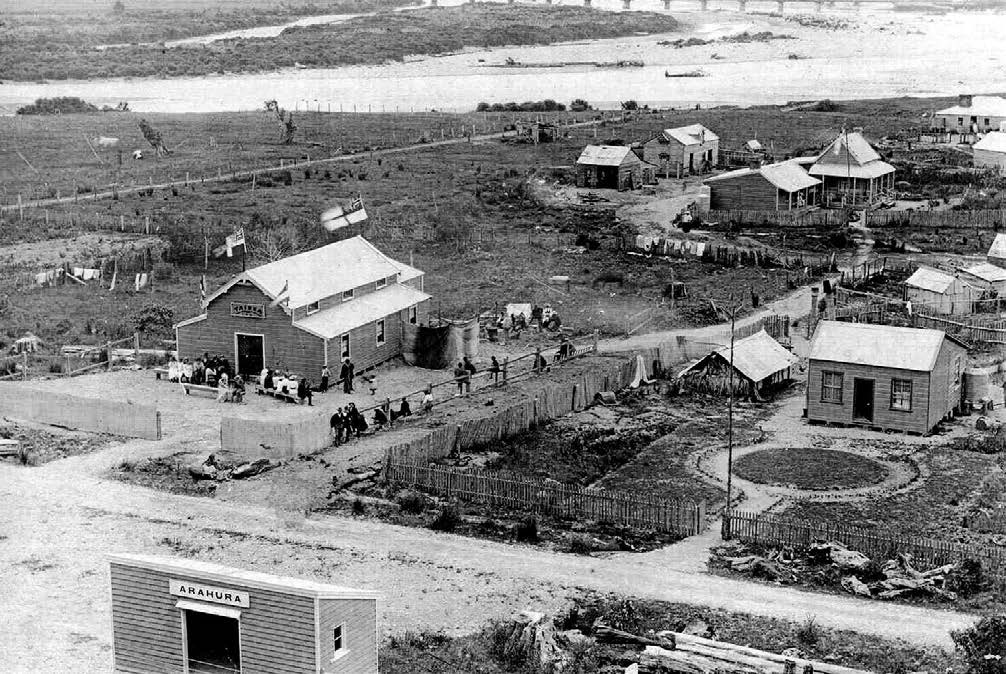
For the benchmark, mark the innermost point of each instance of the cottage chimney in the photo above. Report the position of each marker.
(964, 100)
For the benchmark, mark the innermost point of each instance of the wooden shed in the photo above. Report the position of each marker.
(997, 251)
(773, 187)
(317, 308)
(935, 292)
(683, 150)
(987, 277)
(614, 167)
(184, 615)
(760, 364)
(990, 151)
(893, 378)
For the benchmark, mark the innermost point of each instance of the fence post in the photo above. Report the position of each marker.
(24, 365)
(108, 351)
(136, 346)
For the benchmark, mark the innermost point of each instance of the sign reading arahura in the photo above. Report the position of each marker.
(217, 595)
(245, 310)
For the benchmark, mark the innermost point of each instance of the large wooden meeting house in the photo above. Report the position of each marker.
(298, 314)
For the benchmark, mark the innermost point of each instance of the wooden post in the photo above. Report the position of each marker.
(136, 346)
(108, 351)
(24, 365)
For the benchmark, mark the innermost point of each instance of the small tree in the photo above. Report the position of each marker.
(153, 137)
(983, 645)
(285, 117)
(630, 105)
(580, 105)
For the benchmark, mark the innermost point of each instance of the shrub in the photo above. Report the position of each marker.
(581, 544)
(526, 531)
(55, 366)
(358, 507)
(809, 632)
(60, 105)
(412, 502)
(156, 319)
(447, 519)
(983, 645)
(966, 578)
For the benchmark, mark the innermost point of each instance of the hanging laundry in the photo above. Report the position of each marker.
(78, 272)
(91, 274)
(700, 248)
(140, 281)
(41, 278)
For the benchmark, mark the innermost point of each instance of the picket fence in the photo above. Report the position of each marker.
(878, 545)
(794, 218)
(679, 517)
(976, 220)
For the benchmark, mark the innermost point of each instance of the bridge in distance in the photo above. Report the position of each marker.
(820, 5)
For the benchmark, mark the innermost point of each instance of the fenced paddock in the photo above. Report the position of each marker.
(683, 518)
(877, 544)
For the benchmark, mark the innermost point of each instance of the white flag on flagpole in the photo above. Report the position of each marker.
(234, 240)
(338, 217)
(283, 296)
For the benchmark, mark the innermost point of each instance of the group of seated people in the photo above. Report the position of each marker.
(287, 383)
(349, 421)
(212, 371)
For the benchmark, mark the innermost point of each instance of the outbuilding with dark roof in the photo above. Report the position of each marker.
(882, 376)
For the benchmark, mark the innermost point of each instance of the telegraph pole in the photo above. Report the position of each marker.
(730, 422)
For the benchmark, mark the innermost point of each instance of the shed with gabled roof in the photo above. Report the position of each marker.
(612, 167)
(972, 114)
(997, 251)
(684, 149)
(986, 276)
(990, 151)
(759, 363)
(935, 292)
(772, 187)
(343, 300)
(883, 376)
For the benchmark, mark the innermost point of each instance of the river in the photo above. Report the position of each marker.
(881, 54)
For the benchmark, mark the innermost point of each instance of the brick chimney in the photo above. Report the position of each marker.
(964, 100)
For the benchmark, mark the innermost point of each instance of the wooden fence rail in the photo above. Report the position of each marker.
(878, 545)
(558, 500)
(970, 220)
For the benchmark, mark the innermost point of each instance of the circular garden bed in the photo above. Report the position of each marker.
(807, 468)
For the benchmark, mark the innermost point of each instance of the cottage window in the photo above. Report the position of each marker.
(313, 308)
(960, 121)
(380, 332)
(901, 395)
(831, 387)
(347, 294)
(344, 346)
(413, 315)
(380, 284)
(986, 122)
(339, 641)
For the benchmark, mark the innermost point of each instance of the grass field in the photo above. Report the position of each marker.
(68, 49)
(809, 468)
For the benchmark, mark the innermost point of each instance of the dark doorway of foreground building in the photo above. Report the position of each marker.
(213, 643)
(251, 354)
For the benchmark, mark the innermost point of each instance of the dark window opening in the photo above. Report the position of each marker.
(214, 643)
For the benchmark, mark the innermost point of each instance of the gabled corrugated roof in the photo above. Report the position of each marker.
(994, 141)
(998, 247)
(758, 356)
(691, 134)
(342, 318)
(987, 272)
(930, 279)
(786, 176)
(872, 170)
(316, 274)
(981, 106)
(604, 155)
(913, 349)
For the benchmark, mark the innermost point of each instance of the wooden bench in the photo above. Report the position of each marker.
(160, 371)
(199, 388)
(276, 393)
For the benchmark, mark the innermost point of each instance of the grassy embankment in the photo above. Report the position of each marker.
(55, 50)
(430, 189)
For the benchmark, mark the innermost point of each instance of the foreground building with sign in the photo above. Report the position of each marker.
(298, 314)
(182, 615)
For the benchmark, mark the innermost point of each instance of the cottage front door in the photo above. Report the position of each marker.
(862, 399)
(250, 354)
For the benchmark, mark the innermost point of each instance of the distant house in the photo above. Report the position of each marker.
(760, 363)
(972, 114)
(905, 379)
(686, 149)
(852, 172)
(772, 187)
(935, 292)
(343, 300)
(612, 166)
(997, 251)
(537, 132)
(987, 277)
(990, 151)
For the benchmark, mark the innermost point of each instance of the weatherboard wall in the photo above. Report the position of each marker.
(751, 192)
(358, 617)
(278, 633)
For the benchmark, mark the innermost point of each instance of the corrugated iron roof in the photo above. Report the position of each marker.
(342, 318)
(987, 272)
(872, 170)
(691, 134)
(327, 271)
(994, 141)
(930, 279)
(784, 175)
(603, 155)
(852, 144)
(758, 356)
(899, 348)
(998, 247)
(981, 106)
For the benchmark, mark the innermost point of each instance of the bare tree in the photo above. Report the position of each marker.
(153, 137)
(285, 117)
(276, 243)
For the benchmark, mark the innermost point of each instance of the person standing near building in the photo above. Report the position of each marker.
(344, 377)
(325, 374)
(336, 424)
(459, 378)
(494, 370)
(352, 374)
(469, 373)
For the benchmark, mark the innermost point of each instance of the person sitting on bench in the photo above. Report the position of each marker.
(304, 391)
(268, 382)
(405, 410)
(380, 418)
(238, 392)
(186, 371)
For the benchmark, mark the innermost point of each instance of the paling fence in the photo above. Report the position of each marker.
(970, 333)
(508, 490)
(762, 529)
(71, 362)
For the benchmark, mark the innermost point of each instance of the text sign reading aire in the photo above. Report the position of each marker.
(245, 310)
(217, 595)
